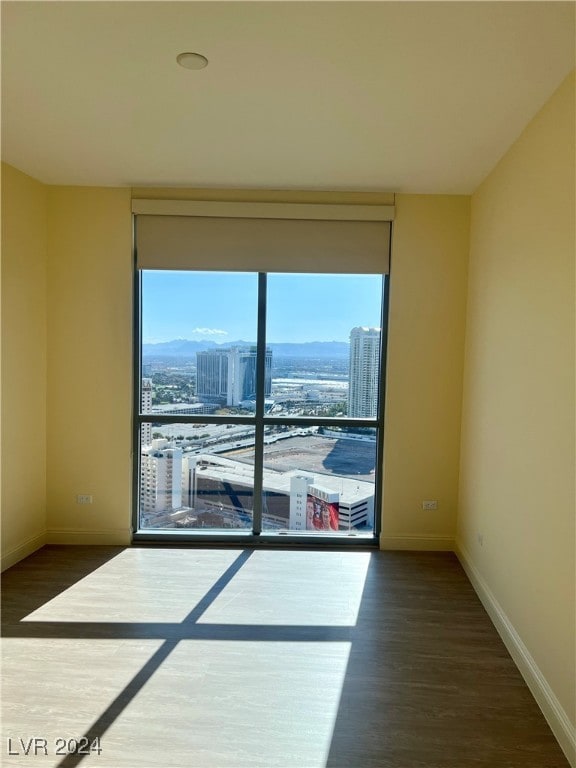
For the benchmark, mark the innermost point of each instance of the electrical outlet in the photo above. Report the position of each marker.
(84, 498)
(481, 539)
(430, 504)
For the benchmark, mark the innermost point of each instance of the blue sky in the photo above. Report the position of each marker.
(222, 306)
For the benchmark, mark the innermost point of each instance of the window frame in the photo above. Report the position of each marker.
(259, 421)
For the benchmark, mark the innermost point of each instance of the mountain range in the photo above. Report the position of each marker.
(187, 348)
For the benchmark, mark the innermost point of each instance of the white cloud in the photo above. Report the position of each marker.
(208, 332)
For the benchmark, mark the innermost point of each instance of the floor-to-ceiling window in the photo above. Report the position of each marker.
(259, 403)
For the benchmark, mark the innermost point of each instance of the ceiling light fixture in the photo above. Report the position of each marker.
(192, 60)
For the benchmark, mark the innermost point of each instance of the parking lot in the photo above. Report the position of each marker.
(315, 453)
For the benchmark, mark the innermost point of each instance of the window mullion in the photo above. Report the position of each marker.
(260, 404)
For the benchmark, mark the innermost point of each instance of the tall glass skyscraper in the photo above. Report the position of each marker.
(228, 375)
(212, 377)
(364, 373)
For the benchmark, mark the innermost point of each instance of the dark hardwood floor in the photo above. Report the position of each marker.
(226, 658)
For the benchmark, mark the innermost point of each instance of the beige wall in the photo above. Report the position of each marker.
(518, 459)
(425, 362)
(23, 495)
(90, 364)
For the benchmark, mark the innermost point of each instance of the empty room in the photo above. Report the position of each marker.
(288, 384)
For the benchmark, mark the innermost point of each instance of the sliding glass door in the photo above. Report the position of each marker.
(259, 404)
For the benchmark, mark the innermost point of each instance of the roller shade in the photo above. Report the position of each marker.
(262, 237)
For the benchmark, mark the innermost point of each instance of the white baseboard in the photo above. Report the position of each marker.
(23, 550)
(558, 720)
(418, 543)
(121, 536)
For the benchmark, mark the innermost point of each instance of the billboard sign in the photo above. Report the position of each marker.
(322, 511)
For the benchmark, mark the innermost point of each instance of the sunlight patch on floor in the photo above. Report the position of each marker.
(140, 585)
(227, 705)
(293, 588)
(62, 705)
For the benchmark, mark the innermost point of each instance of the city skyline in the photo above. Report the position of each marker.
(206, 480)
(222, 306)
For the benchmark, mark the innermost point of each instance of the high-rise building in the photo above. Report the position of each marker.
(160, 478)
(228, 376)
(364, 372)
(212, 373)
(146, 429)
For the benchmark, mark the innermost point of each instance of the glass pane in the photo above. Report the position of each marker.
(319, 479)
(194, 477)
(324, 335)
(199, 343)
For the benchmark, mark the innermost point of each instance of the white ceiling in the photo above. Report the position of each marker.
(403, 96)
